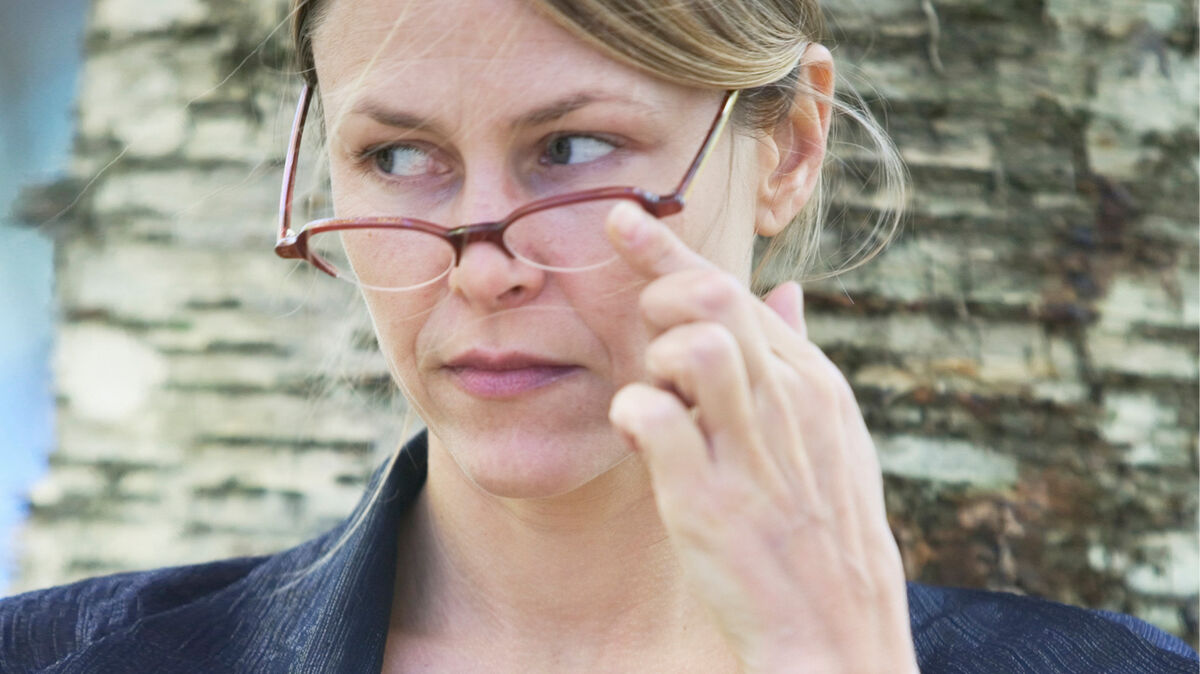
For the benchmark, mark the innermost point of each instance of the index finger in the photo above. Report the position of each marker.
(647, 244)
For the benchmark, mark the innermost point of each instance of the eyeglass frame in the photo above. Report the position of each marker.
(294, 245)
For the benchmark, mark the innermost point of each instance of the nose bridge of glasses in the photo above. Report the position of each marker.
(483, 232)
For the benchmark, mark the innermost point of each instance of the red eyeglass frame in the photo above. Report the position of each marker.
(294, 245)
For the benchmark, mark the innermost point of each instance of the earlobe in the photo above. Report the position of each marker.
(790, 157)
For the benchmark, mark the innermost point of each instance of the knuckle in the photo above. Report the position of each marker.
(816, 386)
(715, 292)
(808, 385)
(660, 352)
(694, 347)
(826, 389)
(838, 384)
(710, 345)
(656, 294)
(790, 382)
(846, 394)
(666, 357)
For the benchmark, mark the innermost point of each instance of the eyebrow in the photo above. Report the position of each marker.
(543, 115)
(556, 110)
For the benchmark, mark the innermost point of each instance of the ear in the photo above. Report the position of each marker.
(790, 156)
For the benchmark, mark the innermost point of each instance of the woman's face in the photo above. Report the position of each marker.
(457, 112)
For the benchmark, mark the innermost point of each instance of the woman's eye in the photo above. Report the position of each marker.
(576, 150)
(405, 161)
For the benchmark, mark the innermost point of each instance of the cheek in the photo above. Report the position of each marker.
(722, 230)
(342, 182)
(719, 220)
(399, 320)
(607, 304)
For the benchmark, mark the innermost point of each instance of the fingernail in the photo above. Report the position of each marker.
(627, 221)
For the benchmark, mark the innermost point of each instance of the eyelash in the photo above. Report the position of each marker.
(607, 140)
(366, 158)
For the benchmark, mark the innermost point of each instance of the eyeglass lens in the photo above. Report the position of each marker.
(566, 238)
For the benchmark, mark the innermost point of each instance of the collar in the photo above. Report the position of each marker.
(322, 606)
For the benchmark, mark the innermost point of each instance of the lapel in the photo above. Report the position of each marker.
(348, 600)
(323, 606)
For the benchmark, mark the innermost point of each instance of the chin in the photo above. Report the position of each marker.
(524, 463)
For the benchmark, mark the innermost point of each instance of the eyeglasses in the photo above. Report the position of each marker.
(561, 233)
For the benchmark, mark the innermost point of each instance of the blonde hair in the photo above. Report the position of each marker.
(755, 46)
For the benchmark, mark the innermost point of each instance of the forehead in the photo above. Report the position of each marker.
(441, 46)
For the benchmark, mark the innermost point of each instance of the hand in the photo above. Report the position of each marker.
(764, 473)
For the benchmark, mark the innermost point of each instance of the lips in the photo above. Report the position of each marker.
(505, 375)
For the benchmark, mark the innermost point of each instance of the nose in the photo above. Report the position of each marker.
(486, 276)
(489, 278)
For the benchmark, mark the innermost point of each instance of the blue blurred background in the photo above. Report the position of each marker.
(40, 45)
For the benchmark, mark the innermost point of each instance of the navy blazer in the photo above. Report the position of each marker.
(302, 611)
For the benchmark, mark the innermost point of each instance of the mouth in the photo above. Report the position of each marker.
(505, 375)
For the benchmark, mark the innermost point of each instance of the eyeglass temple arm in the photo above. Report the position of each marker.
(714, 133)
(289, 164)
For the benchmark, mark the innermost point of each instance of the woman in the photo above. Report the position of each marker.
(632, 462)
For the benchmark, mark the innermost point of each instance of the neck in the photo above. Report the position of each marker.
(590, 569)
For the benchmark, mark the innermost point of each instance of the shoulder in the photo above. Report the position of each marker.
(958, 630)
(41, 628)
(320, 606)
